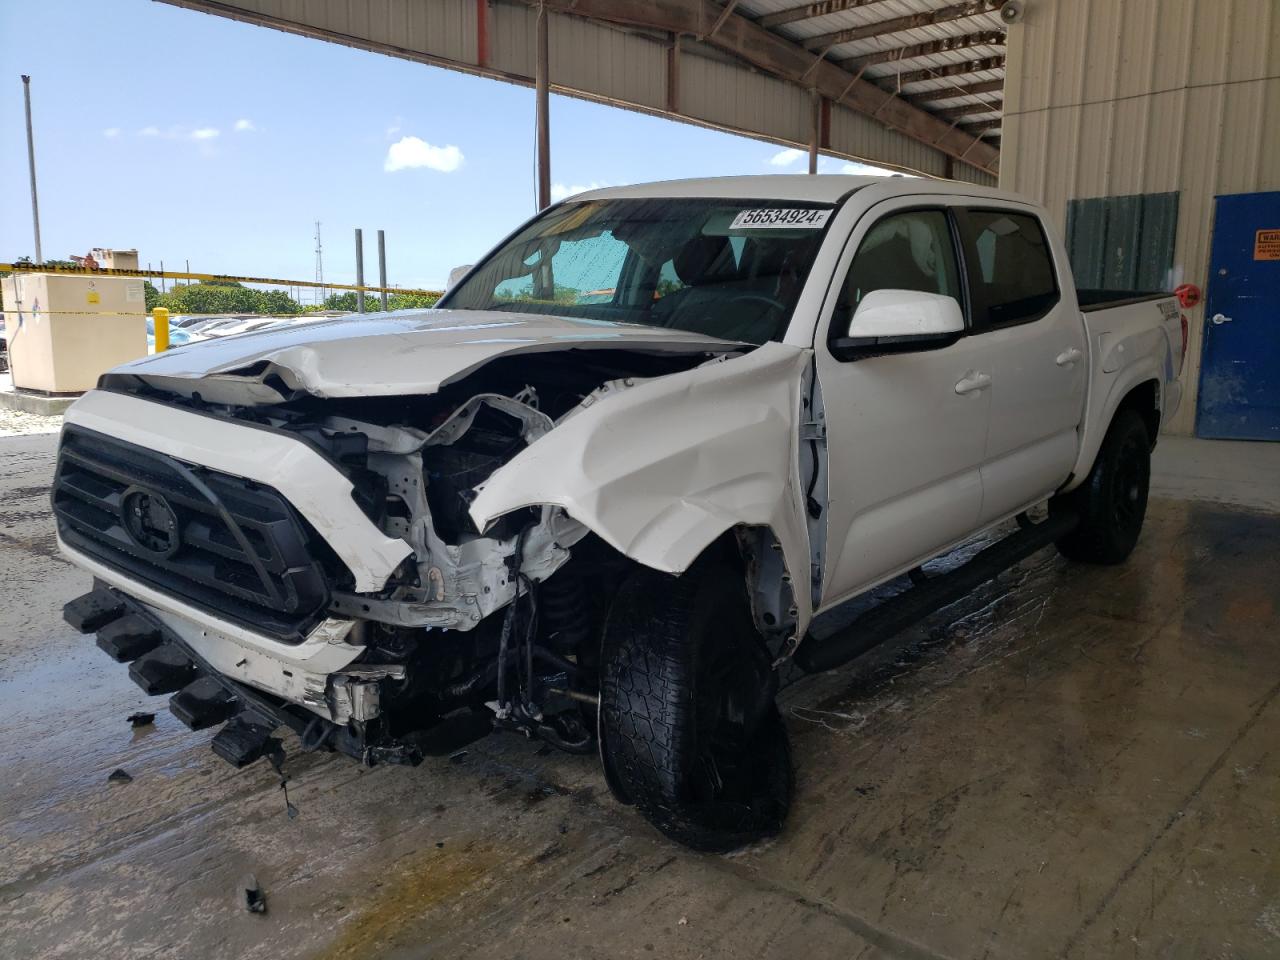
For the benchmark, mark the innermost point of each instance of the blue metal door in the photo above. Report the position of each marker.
(1239, 396)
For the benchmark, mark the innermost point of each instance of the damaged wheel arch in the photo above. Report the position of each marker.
(660, 469)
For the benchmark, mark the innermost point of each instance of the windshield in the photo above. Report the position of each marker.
(725, 268)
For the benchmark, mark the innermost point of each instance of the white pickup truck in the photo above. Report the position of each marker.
(599, 493)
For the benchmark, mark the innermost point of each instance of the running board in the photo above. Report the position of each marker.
(932, 594)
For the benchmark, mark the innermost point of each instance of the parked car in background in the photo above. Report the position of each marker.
(599, 494)
(178, 337)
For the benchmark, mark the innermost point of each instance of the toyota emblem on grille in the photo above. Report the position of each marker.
(150, 522)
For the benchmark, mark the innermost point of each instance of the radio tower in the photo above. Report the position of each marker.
(319, 294)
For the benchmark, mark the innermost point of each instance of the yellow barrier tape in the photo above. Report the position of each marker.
(107, 313)
(209, 278)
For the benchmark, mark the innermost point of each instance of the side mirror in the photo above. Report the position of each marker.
(888, 321)
(456, 274)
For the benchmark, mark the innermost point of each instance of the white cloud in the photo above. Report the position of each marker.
(244, 126)
(559, 191)
(866, 170)
(784, 158)
(111, 132)
(179, 132)
(410, 152)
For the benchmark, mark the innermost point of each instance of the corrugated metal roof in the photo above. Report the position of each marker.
(909, 75)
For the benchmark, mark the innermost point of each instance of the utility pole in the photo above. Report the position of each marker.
(382, 266)
(319, 290)
(542, 88)
(31, 163)
(359, 271)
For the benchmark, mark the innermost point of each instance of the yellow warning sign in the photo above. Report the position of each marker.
(93, 296)
(1266, 245)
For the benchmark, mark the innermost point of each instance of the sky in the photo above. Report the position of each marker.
(196, 138)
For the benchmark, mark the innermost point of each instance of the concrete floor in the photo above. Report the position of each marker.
(1072, 762)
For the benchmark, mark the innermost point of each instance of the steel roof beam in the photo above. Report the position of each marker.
(969, 110)
(957, 11)
(987, 38)
(811, 11)
(948, 70)
(957, 90)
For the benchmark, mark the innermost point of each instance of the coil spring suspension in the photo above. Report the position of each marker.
(565, 612)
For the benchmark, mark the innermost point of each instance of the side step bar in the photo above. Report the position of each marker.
(929, 595)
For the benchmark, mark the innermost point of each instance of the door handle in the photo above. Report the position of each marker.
(1067, 357)
(972, 382)
(1219, 319)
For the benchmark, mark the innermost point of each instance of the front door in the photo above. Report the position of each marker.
(1239, 396)
(905, 431)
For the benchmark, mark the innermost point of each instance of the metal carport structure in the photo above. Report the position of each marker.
(912, 85)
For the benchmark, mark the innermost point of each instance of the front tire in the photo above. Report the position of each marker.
(688, 720)
(1112, 502)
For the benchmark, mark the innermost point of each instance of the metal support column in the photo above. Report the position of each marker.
(359, 270)
(31, 164)
(382, 266)
(542, 90)
(815, 132)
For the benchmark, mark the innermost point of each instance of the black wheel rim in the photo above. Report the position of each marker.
(1129, 486)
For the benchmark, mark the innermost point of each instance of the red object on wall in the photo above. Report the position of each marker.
(1188, 295)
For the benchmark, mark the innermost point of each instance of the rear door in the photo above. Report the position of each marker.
(905, 430)
(1030, 326)
(1239, 396)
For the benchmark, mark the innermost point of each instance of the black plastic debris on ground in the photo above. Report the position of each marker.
(119, 776)
(141, 719)
(253, 898)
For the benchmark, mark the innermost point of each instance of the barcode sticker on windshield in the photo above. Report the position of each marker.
(780, 217)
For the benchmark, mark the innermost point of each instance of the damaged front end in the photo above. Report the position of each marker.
(313, 563)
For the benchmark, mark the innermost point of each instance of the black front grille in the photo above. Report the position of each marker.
(193, 547)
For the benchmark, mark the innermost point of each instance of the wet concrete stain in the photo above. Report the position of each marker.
(417, 885)
(1071, 762)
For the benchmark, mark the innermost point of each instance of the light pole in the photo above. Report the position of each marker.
(31, 163)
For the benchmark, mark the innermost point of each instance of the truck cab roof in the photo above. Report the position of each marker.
(813, 188)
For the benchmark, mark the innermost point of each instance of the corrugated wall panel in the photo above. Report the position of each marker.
(626, 67)
(969, 174)
(1107, 98)
(861, 136)
(727, 94)
(442, 28)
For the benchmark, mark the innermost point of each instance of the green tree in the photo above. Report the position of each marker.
(226, 297)
(373, 302)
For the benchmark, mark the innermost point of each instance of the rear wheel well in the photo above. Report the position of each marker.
(1144, 399)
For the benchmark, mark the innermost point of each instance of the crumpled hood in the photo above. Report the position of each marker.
(388, 354)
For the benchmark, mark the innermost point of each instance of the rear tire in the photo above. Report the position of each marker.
(687, 715)
(1112, 502)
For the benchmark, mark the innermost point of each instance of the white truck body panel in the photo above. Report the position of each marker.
(661, 496)
(388, 354)
(919, 450)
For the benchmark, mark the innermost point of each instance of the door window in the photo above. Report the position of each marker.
(904, 251)
(1010, 267)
